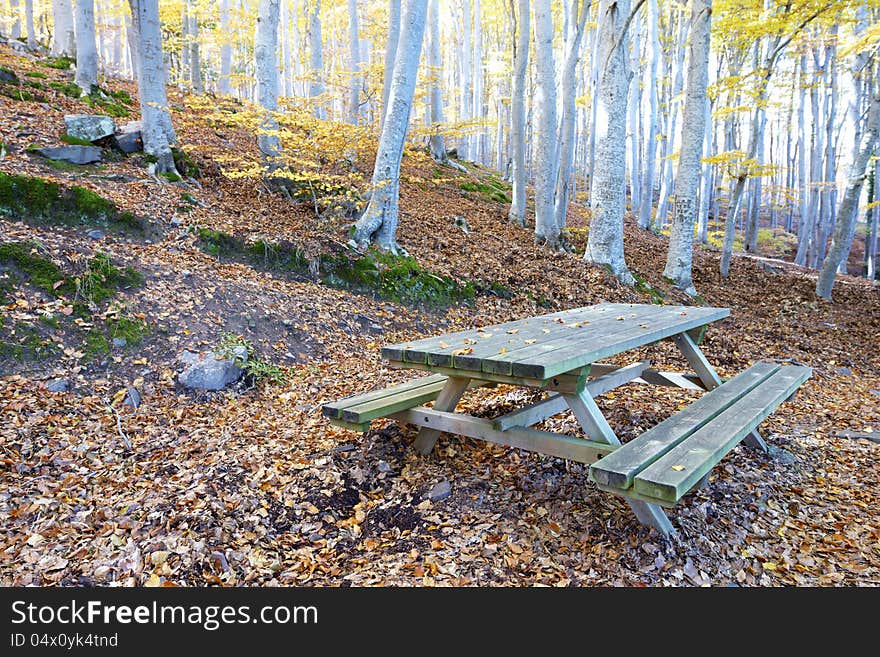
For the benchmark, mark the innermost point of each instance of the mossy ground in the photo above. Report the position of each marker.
(41, 202)
(493, 189)
(24, 267)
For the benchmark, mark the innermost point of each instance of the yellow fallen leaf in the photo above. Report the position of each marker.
(139, 361)
(462, 352)
(678, 468)
(546, 330)
(485, 335)
(532, 341)
(153, 581)
(443, 345)
(513, 330)
(621, 318)
(503, 350)
(574, 325)
(470, 341)
(769, 565)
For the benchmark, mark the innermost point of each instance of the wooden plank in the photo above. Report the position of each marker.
(619, 470)
(417, 351)
(563, 379)
(560, 330)
(698, 361)
(392, 403)
(335, 409)
(671, 379)
(447, 400)
(544, 442)
(541, 410)
(585, 347)
(630, 495)
(677, 471)
(583, 338)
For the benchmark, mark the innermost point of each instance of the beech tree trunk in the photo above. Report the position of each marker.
(86, 76)
(316, 58)
(518, 112)
(354, 47)
(607, 195)
(846, 216)
(651, 132)
(680, 255)
(224, 83)
(63, 33)
(378, 223)
(435, 101)
(390, 52)
(546, 229)
(266, 67)
(157, 131)
(29, 23)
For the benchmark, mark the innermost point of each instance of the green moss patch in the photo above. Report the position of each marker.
(60, 63)
(22, 260)
(23, 342)
(69, 89)
(75, 141)
(39, 202)
(490, 191)
(101, 279)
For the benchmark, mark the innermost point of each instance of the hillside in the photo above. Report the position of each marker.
(252, 486)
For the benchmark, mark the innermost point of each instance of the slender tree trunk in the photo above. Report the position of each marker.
(379, 220)
(707, 190)
(266, 67)
(157, 131)
(518, 111)
(672, 120)
(478, 141)
(224, 83)
(390, 52)
(750, 243)
(435, 100)
(634, 114)
(316, 59)
(467, 79)
(546, 229)
(195, 58)
(29, 23)
(15, 28)
(680, 255)
(846, 217)
(607, 201)
(64, 31)
(86, 76)
(354, 47)
(651, 131)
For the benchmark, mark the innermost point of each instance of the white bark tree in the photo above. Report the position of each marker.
(546, 229)
(607, 196)
(436, 143)
(224, 83)
(316, 58)
(578, 19)
(647, 200)
(354, 47)
(29, 23)
(157, 131)
(518, 112)
(846, 216)
(379, 221)
(86, 76)
(391, 43)
(15, 28)
(681, 240)
(266, 66)
(64, 31)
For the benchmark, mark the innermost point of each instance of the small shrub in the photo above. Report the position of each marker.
(255, 368)
(101, 279)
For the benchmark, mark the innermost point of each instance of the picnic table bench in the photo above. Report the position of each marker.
(561, 353)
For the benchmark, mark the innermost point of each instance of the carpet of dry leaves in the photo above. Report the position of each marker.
(253, 487)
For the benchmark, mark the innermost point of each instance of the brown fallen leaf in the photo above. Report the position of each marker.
(462, 352)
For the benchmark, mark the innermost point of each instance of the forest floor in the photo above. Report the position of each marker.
(250, 485)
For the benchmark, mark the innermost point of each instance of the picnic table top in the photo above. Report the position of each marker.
(544, 346)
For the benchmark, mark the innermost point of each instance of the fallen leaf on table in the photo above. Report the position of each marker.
(443, 345)
(678, 468)
(462, 352)
(532, 341)
(513, 330)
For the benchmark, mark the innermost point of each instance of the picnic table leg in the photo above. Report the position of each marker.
(446, 401)
(710, 379)
(597, 428)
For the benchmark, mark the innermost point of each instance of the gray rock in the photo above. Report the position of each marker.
(72, 154)
(96, 234)
(130, 142)
(119, 342)
(188, 357)
(213, 371)
(8, 76)
(59, 385)
(89, 126)
(781, 455)
(843, 371)
(441, 491)
(176, 221)
(132, 397)
(384, 467)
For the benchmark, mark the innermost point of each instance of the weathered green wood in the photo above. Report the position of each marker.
(671, 476)
(592, 319)
(698, 361)
(335, 409)
(619, 470)
(630, 495)
(359, 427)
(446, 401)
(555, 403)
(417, 351)
(588, 347)
(584, 338)
(493, 378)
(671, 379)
(698, 334)
(544, 442)
(392, 403)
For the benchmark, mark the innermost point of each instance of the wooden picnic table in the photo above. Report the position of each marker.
(560, 353)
